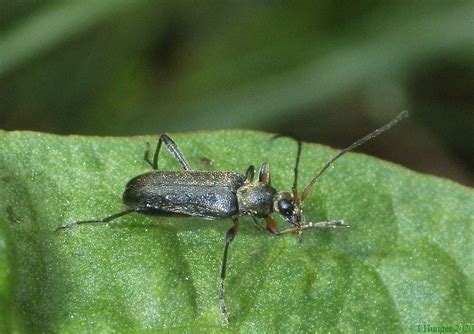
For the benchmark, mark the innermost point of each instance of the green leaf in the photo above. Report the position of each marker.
(405, 261)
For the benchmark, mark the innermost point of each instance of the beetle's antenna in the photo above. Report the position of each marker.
(294, 189)
(361, 141)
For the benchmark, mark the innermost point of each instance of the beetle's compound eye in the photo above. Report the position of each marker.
(284, 204)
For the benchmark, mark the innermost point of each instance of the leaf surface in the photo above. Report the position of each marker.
(405, 261)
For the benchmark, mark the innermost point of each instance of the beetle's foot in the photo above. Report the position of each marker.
(225, 314)
(323, 224)
(65, 227)
(327, 224)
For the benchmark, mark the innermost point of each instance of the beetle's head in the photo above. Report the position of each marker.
(288, 207)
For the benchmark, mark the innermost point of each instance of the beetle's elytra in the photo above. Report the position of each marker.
(218, 195)
(209, 195)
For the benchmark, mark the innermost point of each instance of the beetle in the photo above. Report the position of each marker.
(218, 195)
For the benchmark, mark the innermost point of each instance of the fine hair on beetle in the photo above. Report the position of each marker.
(217, 195)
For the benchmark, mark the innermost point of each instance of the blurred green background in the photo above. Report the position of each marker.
(324, 71)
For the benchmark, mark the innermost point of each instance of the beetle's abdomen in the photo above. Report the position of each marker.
(210, 195)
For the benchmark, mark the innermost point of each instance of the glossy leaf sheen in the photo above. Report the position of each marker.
(406, 260)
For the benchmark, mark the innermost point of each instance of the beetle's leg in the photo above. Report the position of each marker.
(323, 224)
(257, 224)
(101, 220)
(249, 174)
(172, 148)
(228, 239)
(146, 156)
(272, 227)
(264, 173)
(294, 188)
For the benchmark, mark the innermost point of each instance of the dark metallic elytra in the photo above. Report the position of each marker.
(218, 195)
(209, 195)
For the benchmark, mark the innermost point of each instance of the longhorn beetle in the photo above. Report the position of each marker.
(218, 195)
